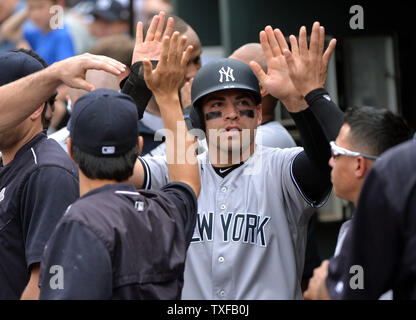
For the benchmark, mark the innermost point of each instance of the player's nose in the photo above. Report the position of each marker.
(331, 162)
(230, 111)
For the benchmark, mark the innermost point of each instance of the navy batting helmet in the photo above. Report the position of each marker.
(222, 74)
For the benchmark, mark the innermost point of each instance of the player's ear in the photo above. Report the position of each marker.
(140, 143)
(259, 114)
(69, 145)
(361, 167)
(35, 115)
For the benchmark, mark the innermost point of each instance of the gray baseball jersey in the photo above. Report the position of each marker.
(250, 236)
(273, 134)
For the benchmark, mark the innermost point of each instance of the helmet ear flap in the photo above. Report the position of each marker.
(194, 118)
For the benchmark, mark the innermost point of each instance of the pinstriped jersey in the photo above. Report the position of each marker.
(250, 236)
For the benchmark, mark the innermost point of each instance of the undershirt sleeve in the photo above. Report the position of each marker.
(318, 125)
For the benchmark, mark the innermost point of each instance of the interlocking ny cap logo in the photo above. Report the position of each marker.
(227, 74)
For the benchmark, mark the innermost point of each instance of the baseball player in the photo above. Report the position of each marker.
(366, 133)
(116, 242)
(249, 238)
(37, 182)
(377, 254)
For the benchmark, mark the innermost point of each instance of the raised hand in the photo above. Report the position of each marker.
(72, 71)
(22, 97)
(277, 81)
(151, 47)
(164, 81)
(169, 74)
(308, 66)
(186, 99)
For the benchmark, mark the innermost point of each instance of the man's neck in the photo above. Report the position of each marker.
(9, 154)
(221, 159)
(267, 118)
(86, 184)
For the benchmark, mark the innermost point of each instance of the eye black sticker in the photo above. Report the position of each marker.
(213, 115)
(247, 113)
(218, 114)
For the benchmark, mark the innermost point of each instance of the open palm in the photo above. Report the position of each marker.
(277, 80)
(151, 47)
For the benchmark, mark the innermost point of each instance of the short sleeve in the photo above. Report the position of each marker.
(76, 265)
(294, 200)
(185, 200)
(158, 168)
(46, 196)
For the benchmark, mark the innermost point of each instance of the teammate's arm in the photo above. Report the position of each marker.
(149, 48)
(164, 82)
(134, 85)
(321, 121)
(31, 291)
(296, 78)
(20, 98)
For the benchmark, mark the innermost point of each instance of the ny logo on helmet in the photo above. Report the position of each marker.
(227, 74)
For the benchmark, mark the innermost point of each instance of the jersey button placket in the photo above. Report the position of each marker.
(221, 269)
(221, 294)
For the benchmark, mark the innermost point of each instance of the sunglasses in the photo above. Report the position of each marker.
(336, 151)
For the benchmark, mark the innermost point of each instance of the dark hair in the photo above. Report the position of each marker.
(106, 168)
(179, 24)
(375, 129)
(51, 99)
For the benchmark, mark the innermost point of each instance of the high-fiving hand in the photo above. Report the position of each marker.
(72, 71)
(151, 47)
(277, 80)
(293, 73)
(308, 66)
(166, 79)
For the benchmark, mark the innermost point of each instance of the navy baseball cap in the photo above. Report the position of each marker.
(15, 65)
(110, 10)
(104, 123)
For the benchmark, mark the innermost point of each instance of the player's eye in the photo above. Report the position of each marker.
(243, 103)
(335, 154)
(216, 104)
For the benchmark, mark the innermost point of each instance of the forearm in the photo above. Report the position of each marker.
(31, 291)
(22, 97)
(135, 86)
(11, 28)
(317, 125)
(180, 151)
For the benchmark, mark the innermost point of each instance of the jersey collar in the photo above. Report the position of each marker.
(124, 186)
